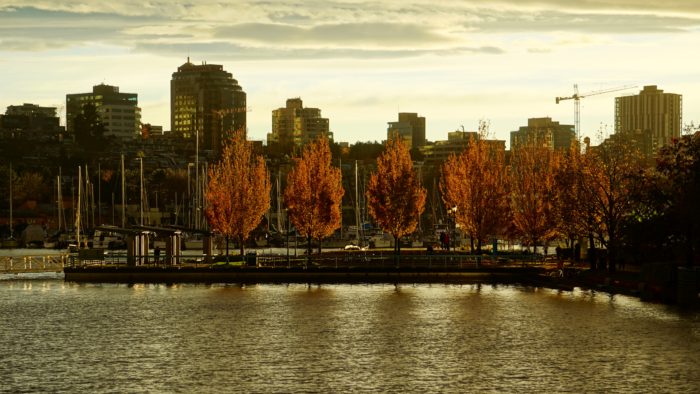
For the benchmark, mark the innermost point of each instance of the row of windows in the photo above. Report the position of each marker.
(131, 118)
(184, 115)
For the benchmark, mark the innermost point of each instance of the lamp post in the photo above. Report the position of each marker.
(454, 227)
(189, 196)
(286, 217)
(141, 189)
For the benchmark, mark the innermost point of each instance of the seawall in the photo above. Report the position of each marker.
(298, 275)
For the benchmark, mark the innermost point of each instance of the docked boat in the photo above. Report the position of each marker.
(381, 240)
(9, 243)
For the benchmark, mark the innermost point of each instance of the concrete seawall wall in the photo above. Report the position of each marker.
(295, 276)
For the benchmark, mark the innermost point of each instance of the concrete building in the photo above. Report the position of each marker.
(438, 152)
(206, 100)
(635, 139)
(650, 112)
(410, 128)
(30, 121)
(31, 111)
(543, 132)
(293, 126)
(120, 113)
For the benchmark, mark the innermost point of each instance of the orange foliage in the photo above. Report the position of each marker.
(238, 193)
(314, 192)
(533, 193)
(571, 216)
(476, 183)
(395, 198)
(607, 180)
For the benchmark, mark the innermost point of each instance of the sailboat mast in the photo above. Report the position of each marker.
(10, 177)
(88, 206)
(77, 212)
(279, 203)
(123, 195)
(141, 188)
(58, 201)
(62, 212)
(99, 193)
(357, 207)
(196, 176)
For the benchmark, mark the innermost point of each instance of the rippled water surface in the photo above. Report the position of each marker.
(65, 337)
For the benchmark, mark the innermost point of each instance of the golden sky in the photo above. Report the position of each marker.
(362, 61)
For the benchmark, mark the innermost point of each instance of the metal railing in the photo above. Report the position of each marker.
(15, 264)
(371, 260)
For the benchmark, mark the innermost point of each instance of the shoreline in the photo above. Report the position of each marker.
(296, 275)
(624, 283)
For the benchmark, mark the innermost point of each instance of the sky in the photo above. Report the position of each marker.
(362, 62)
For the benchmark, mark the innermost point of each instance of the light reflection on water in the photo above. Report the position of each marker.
(58, 336)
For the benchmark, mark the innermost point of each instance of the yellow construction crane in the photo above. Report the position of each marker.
(577, 105)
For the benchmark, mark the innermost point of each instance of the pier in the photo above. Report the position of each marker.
(331, 267)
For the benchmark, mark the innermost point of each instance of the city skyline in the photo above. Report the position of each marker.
(454, 63)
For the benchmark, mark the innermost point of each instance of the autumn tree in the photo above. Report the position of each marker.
(168, 183)
(571, 217)
(88, 127)
(238, 193)
(476, 183)
(533, 193)
(395, 197)
(314, 193)
(679, 168)
(30, 186)
(608, 174)
(665, 220)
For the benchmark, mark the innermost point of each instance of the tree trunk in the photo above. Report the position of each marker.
(308, 249)
(319, 246)
(612, 255)
(227, 248)
(591, 252)
(241, 245)
(471, 244)
(478, 246)
(690, 252)
(397, 250)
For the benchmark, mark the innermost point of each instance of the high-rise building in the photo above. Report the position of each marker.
(543, 132)
(436, 153)
(410, 128)
(30, 121)
(294, 126)
(206, 100)
(119, 112)
(650, 112)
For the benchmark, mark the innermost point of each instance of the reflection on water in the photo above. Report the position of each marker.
(58, 336)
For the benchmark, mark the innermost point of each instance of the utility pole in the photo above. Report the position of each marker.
(123, 195)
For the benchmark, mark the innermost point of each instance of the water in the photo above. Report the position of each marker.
(67, 337)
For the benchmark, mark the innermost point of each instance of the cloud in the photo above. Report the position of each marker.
(31, 29)
(226, 51)
(318, 29)
(339, 34)
(555, 21)
(634, 6)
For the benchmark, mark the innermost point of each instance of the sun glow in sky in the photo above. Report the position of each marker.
(361, 62)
